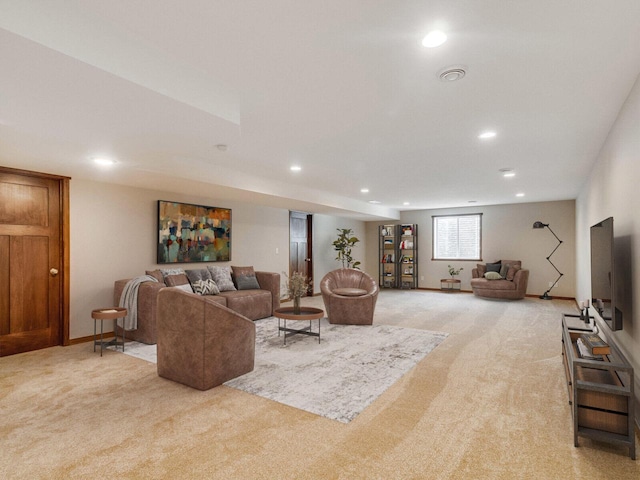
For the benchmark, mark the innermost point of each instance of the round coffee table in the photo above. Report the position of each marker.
(306, 313)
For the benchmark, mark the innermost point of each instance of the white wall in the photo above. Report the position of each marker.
(507, 233)
(612, 191)
(114, 235)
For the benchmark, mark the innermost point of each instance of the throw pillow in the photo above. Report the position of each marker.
(222, 277)
(205, 287)
(186, 287)
(511, 274)
(245, 278)
(176, 280)
(504, 269)
(492, 276)
(482, 269)
(195, 275)
(170, 271)
(157, 274)
(494, 267)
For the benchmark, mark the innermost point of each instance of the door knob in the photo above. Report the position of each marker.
(53, 272)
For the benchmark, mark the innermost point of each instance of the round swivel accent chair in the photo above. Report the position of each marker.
(349, 296)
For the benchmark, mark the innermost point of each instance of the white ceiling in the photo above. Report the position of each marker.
(341, 87)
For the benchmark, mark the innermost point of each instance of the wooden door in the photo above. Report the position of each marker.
(32, 261)
(300, 244)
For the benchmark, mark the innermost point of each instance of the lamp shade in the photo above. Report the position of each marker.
(539, 224)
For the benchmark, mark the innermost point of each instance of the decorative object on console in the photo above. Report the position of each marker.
(584, 311)
(193, 233)
(595, 344)
(545, 295)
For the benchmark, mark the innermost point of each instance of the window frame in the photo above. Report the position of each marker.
(433, 237)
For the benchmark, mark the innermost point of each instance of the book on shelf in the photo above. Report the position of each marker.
(584, 351)
(387, 258)
(595, 344)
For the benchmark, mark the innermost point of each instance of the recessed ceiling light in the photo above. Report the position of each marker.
(222, 147)
(509, 174)
(406, 204)
(434, 39)
(519, 194)
(295, 168)
(364, 190)
(486, 135)
(104, 161)
(375, 202)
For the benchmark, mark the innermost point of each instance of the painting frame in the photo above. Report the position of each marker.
(191, 233)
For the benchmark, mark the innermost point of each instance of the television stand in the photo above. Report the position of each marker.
(577, 323)
(600, 392)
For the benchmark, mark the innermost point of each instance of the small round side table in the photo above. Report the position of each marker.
(450, 285)
(109, 313)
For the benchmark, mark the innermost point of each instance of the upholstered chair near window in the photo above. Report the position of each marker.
(349, 296)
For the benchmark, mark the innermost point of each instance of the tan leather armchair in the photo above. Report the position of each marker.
(349, 296)
(201, 343)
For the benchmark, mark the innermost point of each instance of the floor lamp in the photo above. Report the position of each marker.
(545, 295)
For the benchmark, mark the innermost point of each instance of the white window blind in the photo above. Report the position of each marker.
(457, 237)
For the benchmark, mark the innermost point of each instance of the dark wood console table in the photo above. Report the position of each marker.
(600, 392)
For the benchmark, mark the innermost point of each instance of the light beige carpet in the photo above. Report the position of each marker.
(490, 402)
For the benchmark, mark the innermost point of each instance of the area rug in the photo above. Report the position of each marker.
(336, 378)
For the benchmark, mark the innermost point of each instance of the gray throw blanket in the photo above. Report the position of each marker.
(129, 300)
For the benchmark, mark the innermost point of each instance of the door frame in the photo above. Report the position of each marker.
(64, 253)
(309, 254)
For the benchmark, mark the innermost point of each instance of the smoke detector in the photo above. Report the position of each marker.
(451, 74)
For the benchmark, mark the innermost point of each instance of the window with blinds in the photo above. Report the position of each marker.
(457, 237)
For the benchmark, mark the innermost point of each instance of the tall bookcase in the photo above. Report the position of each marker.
(398, 256)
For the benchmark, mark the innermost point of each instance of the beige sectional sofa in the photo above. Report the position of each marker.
(253, 303)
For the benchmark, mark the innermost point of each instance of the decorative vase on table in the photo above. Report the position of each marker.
(296, 304)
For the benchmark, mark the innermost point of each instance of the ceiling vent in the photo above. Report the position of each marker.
(451, 74)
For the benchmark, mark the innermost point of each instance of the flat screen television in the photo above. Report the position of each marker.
(603, 288)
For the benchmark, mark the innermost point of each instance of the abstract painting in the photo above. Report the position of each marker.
(193, 233)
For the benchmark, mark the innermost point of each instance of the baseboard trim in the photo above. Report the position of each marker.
(531, 295)
(76, 341)
(443, 291)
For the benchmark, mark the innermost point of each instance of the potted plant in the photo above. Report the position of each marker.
(454, 271)
(343, 245)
